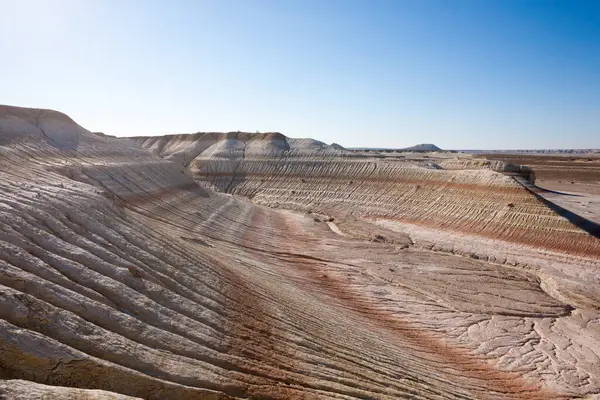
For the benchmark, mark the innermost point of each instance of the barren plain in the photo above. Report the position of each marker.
(256, 266)
(569, 180)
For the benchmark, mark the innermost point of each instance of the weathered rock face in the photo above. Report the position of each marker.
(16, 389)
(519, 171)
(120, 273)
(467, 196)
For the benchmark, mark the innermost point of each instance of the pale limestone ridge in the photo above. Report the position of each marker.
(184, 149)
(495, 165)
(120, 273)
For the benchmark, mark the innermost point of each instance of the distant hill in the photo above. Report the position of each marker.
(533, 151)
(423, 147)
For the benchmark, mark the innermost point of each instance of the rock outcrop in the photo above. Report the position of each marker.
(16, 389)
(362, 279)
(468, 196)
(499, 166)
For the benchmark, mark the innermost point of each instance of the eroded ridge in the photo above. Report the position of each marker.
(465, 196)
(118, 273)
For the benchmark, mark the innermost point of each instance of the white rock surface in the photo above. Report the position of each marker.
(120, 274)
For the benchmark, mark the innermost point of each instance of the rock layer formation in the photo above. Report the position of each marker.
(128, 272)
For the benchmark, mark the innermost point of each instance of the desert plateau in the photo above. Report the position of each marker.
(256, 266)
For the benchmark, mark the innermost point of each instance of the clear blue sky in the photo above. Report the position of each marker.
(460, 74)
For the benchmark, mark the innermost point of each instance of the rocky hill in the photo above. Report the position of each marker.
(422, 147)
(221, 266)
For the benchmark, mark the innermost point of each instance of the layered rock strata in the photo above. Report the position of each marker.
(119, 273)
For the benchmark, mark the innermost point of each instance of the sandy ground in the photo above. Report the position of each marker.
(571, 181)
(582, 199)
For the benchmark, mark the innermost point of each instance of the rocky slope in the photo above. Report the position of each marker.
(121, 274)
(467, 196)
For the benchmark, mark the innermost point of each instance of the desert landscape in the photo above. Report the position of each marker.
(256, 266)
(568, 180)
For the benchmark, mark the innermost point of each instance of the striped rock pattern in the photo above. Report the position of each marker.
(476, 200)
(120, 274)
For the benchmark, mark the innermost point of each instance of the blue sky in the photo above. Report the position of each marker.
(461, 74)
